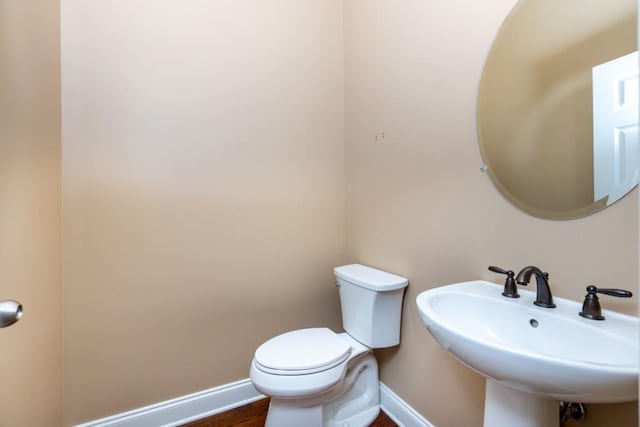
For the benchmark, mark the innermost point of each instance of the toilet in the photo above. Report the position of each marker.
(319, 378)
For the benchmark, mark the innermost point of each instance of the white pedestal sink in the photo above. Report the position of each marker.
(531, 356)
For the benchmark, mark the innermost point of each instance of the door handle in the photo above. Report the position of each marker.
(10, 312)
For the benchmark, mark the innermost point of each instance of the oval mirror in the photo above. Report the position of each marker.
(557, 111)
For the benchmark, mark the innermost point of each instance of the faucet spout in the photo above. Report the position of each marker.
(543, 291)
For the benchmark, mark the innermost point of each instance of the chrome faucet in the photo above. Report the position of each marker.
(543, 292)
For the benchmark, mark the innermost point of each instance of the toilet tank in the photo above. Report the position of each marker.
(371, 302)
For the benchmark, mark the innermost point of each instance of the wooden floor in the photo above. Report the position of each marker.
(255, 414)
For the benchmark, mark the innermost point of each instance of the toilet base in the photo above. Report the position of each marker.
(355, 403)
(284, 413)
(361, 419)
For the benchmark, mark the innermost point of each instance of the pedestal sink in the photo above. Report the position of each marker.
(532, 357)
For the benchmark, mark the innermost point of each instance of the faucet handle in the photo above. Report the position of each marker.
(510, 288)
(500, 270)
(591, 307)
(620, 293)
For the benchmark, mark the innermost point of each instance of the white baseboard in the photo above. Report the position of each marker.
(184, 409)
(399, 411)
(203, 404)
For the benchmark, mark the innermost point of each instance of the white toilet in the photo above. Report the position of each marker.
(318, 378)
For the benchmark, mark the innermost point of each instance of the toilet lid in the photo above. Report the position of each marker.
(302, 350)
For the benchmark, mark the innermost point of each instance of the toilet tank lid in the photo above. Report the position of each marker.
(370, 278)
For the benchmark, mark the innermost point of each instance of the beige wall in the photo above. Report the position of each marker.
(204, 193)
(31, 368)
(203, 186)
(418, 205)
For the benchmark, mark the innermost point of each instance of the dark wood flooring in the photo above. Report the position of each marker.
(255, 414)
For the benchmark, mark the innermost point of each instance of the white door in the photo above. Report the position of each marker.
(615, 127)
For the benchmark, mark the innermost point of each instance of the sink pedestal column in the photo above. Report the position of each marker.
(506, 407)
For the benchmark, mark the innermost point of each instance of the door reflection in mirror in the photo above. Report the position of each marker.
(615, 127)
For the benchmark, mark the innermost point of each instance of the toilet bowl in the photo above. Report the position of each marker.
(318, 378)
(304, 394)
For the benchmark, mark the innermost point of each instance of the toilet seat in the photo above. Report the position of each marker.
(302, 364)
(302, 352)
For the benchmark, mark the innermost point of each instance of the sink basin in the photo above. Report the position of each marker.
(547, 353)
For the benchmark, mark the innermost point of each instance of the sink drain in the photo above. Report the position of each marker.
(534, 323)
